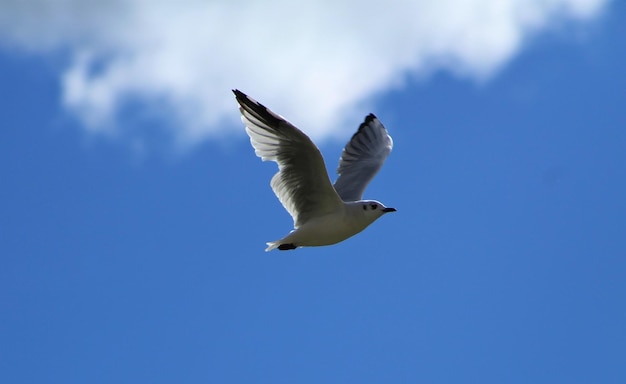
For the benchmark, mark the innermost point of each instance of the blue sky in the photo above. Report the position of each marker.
(129, 257)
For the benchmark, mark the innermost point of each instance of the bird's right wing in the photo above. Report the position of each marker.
(362, 158)
(301, 184)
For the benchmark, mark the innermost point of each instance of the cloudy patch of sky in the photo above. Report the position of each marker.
(319, 63)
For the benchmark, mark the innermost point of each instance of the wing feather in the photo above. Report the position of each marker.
(362, 158)
(301, 184)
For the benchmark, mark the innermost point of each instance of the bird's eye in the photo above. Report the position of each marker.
(374, 206)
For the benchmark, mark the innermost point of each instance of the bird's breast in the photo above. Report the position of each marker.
(329, 229)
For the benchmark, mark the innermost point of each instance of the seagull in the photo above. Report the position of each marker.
(323, 213)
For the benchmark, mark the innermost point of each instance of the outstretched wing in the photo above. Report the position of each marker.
(362, 158)
(301, 184)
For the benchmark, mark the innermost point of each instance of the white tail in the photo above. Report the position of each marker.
(271, 245)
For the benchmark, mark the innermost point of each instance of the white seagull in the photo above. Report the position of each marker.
(322, 214)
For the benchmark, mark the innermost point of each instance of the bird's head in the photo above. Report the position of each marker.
(373, 208)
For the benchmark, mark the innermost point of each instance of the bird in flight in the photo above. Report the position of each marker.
(323, 213)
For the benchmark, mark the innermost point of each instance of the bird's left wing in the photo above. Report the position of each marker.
(301, 184)
(362, 158)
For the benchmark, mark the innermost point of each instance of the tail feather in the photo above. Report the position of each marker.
(271, 245)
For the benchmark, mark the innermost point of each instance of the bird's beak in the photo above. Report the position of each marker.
(389, 210)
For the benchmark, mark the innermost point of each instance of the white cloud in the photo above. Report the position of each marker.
(315, 62)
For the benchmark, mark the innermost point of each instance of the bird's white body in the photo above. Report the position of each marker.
(332, 228)
(323, 213)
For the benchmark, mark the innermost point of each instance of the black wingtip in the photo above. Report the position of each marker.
(257, 109)
(244, 99)
(239, 94)
(369, 118)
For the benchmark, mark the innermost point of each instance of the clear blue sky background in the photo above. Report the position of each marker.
(505, 262)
